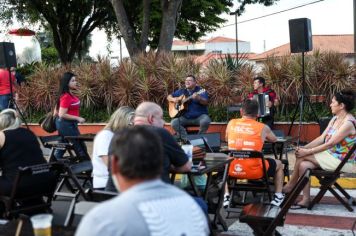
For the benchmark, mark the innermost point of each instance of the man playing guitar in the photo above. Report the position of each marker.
(259, 86)
(195, 101)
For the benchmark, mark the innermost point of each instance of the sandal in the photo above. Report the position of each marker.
(298, 206)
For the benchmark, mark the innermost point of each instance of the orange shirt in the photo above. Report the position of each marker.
(245, 134)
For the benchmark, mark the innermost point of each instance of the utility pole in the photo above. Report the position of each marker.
(236, 33)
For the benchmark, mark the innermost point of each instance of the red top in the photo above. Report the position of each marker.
(71, 102)
(272, 94)
(5, 82)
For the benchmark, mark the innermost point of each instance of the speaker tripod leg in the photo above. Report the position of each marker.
(294, 116)
(313, 111)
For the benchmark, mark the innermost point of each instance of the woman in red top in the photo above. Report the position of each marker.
(5, 90)
(68, 114)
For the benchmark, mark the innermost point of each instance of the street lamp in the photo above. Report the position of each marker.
(120, 37)
(237, 44)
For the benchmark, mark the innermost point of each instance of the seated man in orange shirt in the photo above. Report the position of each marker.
(248, 134)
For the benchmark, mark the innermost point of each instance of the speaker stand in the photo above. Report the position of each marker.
(303, 97)
(13, 102)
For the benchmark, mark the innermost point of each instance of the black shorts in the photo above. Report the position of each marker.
(272, 167)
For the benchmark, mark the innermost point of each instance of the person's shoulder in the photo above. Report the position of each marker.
(160, 130)
(103, 219)
(104, 133)
(65, 96)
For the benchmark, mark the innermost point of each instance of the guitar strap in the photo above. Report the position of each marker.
(186, 92)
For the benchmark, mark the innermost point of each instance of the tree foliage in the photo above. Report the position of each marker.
(69, 21)
(243, 3)
(155, 23)
(141, 23)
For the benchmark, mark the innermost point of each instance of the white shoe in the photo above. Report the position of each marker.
(226, 201)
(277, 201)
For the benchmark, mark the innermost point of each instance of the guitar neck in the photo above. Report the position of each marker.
(187, 99)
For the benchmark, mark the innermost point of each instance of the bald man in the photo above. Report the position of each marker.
(151, 114)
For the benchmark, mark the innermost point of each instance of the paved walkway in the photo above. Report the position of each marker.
(329, 218)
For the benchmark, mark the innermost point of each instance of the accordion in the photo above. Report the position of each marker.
(262, 100)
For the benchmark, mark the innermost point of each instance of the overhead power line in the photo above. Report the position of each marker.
(275, 13)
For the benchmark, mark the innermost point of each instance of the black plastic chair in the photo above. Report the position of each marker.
(327, 180)
(32, 190)
(254, 186)
(264, 218)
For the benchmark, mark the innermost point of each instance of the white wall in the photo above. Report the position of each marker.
(227, 47)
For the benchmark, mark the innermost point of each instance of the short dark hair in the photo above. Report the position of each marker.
(139, 152)
(191, 76)
(261, 80)
(250, 107)
(347, 97)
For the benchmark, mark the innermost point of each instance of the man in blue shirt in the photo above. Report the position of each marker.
(146, 205)
(196, 113)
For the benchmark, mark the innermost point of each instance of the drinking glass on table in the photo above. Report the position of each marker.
(42, 224)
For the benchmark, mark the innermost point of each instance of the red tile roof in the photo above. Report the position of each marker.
(218, 39)
(204, 59)
(338, 43)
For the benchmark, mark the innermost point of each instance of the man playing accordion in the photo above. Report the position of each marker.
(268, 108)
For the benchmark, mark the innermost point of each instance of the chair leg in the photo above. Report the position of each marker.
(342, 190)
(343, 202)
(70, 215)
(318, 197)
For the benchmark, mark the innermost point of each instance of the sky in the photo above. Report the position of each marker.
(327, 17)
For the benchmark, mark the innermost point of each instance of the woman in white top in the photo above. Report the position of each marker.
(121, 118)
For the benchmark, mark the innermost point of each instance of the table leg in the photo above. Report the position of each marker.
(194, 187)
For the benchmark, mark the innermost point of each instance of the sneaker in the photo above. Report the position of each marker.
(226, 201)
(277, 201)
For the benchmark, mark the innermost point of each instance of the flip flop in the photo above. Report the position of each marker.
(298, 206)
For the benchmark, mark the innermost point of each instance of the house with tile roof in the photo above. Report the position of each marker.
(213, 48)
(343, 44)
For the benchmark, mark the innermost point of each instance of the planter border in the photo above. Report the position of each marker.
(309, 130)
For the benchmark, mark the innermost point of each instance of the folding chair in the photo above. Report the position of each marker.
(327, 180)
(212, 140)
(249, 185)
(73, 165)
(264, 218)
(53, 142)
(82, 207)
(32, 190)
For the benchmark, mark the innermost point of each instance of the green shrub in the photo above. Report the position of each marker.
(153, 76)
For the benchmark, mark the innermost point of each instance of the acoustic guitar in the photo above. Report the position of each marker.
(176, 109)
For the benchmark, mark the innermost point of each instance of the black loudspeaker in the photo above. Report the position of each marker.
(300, 35)
(7, 55)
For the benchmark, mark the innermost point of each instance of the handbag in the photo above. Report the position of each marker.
(48, 122)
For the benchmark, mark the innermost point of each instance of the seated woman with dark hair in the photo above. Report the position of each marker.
(330, 148)
(19, 147)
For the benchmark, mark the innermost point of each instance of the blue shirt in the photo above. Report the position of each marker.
(195, 109)
(149, 208)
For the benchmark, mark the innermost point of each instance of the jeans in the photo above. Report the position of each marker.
(70, 128)
(202, 121)
(5, 101)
